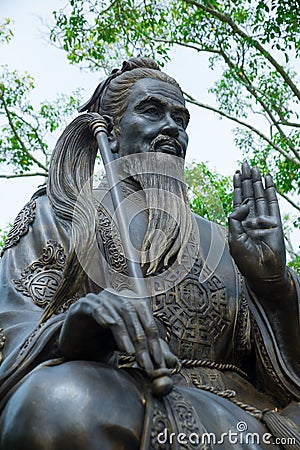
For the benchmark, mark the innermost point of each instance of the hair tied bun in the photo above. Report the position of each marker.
(127, 66)
(136, 63)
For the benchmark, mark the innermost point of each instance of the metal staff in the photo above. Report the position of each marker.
(162, 383)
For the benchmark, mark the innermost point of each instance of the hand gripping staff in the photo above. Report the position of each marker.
(162, 383)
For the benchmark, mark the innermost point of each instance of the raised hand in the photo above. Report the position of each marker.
(255, 231)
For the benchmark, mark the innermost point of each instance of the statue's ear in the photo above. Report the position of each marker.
(112, 139)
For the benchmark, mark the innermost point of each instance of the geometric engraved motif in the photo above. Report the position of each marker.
(242, 338)
(198, 314)
(43, 285)
(204, 376)
(186, 420)
(41, 279)
(21, 225)
(117, 271)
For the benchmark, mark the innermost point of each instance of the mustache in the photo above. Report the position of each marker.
(164, 139)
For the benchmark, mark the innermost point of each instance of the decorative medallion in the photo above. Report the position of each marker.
(41, 279)
(198, 314)
(21, 225)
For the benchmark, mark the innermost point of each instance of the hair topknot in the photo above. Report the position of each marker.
(134, 63)
(133, 69)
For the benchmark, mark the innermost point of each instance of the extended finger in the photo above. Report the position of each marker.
(247, 186)
(261, 205)
(246, 181)
(138, 335)
(150, 327)
(237, 190)
(272, 200)
(170, 359)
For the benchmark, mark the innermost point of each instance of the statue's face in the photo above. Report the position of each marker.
(154, 108)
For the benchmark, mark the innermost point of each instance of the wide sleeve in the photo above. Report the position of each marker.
(277, 343)
(32, 266)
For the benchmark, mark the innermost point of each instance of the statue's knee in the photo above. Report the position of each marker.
(36, 416)
(69, 406)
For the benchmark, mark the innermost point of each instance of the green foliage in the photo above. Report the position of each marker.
(294, 257)
(3, 235)
(6, 33)
(210, 192)
(295, 263)
(25, 130)
(252, 44)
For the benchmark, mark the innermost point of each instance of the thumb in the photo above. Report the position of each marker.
(235, 219)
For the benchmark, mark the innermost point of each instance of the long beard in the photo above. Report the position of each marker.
(161, 176)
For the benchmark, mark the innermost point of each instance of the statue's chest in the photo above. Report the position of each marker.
(197, 315)
(194, 306)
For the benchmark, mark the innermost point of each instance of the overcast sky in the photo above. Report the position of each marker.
(211, 139)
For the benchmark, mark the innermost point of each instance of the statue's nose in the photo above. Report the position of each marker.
(170, 127)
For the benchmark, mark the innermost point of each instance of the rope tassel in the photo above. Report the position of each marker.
(283, 428)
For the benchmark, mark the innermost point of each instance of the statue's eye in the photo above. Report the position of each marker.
(180, 121)
(152, 111)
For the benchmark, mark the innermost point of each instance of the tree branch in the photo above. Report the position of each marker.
(182, 44)
(253, 92)
(288, 200)
(226, 19)
(289, 124)
(10, 121)
(37, 174)
(250, 88)
(190, 99)
(34, 129)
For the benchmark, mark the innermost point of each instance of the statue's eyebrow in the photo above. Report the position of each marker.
(161, 102)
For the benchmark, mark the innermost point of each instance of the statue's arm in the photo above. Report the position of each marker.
(257, 245)
(31, 263)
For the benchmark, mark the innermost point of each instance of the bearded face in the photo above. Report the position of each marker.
(151, 144)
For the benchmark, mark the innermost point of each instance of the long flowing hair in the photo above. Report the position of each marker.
(69, 184)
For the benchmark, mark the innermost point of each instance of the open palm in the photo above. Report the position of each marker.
(255, 230)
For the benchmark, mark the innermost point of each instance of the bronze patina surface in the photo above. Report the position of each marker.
(79, 350)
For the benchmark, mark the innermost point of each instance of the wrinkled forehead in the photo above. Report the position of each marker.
(150, 87)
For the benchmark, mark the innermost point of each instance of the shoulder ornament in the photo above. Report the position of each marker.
(21, 225)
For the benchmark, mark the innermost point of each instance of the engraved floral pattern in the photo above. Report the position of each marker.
(21, 225)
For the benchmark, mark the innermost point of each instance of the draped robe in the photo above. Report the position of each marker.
(217, 328)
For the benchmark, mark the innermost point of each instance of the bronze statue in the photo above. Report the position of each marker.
(84, 358)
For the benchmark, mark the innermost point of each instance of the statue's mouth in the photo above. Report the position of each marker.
(167, 144)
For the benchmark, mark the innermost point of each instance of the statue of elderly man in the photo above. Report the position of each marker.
(210, 356)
